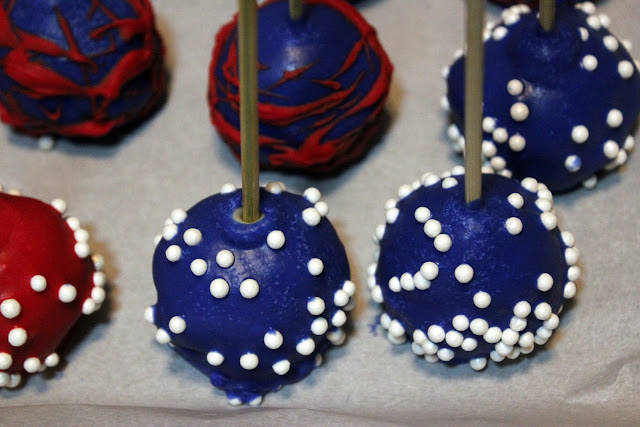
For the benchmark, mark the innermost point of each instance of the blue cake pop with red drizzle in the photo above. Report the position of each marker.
(252, 306)
(78, 68)
(468, 282)
(559, 106)
(323, 81)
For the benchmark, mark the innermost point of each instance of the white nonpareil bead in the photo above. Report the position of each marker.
(442, 242)
(192, 236)
(545, 282)
(614, 118)
(316, 306)
(177, 325)
(435, 333)
(198, 267)
(249, 361)
(249, 288)
(513, 226)
(273, 340)
(482, 299)
(10, 308)
(463, 273)
(580, 134)
(219, 288)
(519, 111)
(315, 266)
(225, 258)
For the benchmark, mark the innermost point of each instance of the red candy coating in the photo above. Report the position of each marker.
(35, 240)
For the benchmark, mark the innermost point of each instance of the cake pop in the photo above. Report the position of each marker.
(48, 279)
(252, 306)
(78, 68)
(472, 281)
(323, 82)
(559, 104)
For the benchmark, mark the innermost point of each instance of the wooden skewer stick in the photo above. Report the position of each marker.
(295, 9)
(547, 15)
(473, 92)
(249, 150)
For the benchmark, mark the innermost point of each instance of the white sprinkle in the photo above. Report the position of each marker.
(406, 282)
(281, 367)
(478, 364)
(629, 143)
(149, 314)
(543, 311)
(392, 215)
(177, 325)
(435, 333)
(510, 337)
(376, 294)
(584, 34)
(445, 354)
(81, 235)
(312, 194)
(404, 191)
(98, 295)
(17, 337)
(319, 326)
(611, 149)
(311, 216)
(396, 329)
(214, 358)
(5, 361)
(549, 220)
(227, 188)
(394, 284)
(513, 226)
(515, 87)
(339, 318)
(519, 111)
(463, 273)
(432, 228)
(579, 134)
(322, 208)
(517, 324)
(516, 200)
(10, 308)
(442, 242)
(481, 299)
(162, 337)
(169, 231)
(605, 20)
(614, 118)
(315, 266)
(503, 349)
(275, 187)
(625, 69)
(610, 42)
(444, 102)
(493, 335)
(178, 216)
(249, 288)
(454, 338)
(569, 290)
(249, 361)
(340, 298)
(349, 287)
(488, 124)
(552, 322)
(199, 267)
(82, 250)
(275, 239)
(192, 236)
(589, 62)
(517, 143)
(522, 309)
(627, 44)
(460, 322)
(173, 253)
(496, 357)
(31, 365)
(67, 293)
(379, 233)
(568, 238)
(499, 33)
(316, 306)
(429, 179)
(452, 132)
(489, 149)
(530, 184)
(422, 214)
(449, 182)
(479, 326)
(52, 360)
(38, 283)
(573, 273)
(543, 333)
(306, 346)
(545, 282)
(594, 22)
(225, 258)
(273, 339)
(573, 163)
(571, 255)
(429, 270)
(500, 135)
(385, 320)
(469, 344)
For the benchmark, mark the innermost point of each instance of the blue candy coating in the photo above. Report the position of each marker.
(506, 266)
(234, 325)
(561, 93)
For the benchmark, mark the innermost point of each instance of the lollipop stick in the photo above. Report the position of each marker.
(248, 53)
(295, 9)
(547, 14)
(474, 89)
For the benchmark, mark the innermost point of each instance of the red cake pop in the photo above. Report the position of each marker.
(48, 279)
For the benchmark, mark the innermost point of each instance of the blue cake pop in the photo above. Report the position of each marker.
(252, 306)
(471, 281)
(558, 106)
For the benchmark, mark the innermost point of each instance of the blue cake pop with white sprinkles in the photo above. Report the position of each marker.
(559, 106)
(468, 282)
(253, 306)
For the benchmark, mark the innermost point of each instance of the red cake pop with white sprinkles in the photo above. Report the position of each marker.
(48, 279)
